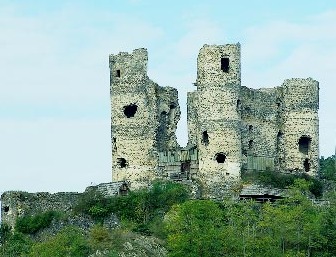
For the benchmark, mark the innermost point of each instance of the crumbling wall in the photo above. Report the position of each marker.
(301, 124)
(144, 119)
(15, 204)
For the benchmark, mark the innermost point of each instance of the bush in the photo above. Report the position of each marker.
(281, 180)
(32, 224)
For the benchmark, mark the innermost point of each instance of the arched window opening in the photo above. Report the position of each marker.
(306, 165)
(122, 163)
(130, 110)
(205, 138)
(304, 144)
(220, 157)
(238, 104)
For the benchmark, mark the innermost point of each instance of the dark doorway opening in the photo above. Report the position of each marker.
(306, 165)
(225, 64)
(304, 144)
(205, 138)
(130, 110)
(220, 157)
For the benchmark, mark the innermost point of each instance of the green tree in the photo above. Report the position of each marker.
(68, 242)
(194, 229)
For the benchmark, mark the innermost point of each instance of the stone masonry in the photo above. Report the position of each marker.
(231, 128)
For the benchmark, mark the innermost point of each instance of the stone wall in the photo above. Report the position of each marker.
(144, 119)
(15, 204)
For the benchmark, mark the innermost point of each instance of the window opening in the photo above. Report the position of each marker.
(250, 144)
(225, 61)
(130, 110)
(304, 144)
(238, 105)
(220, 157)
(6, 209)
(205, 138)
(250, 128)
(306, 165)
(118, 73)
(122, 162)
(172, 106)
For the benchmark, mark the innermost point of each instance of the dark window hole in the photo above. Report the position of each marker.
(250, 145)
(172, 106)
(118, 73)
(6, 209)
(130, 110)
(122, 163)
(220, 157)
(306, 165)
(304, 144)
(250, 128)
(205, 138)
(225, 61)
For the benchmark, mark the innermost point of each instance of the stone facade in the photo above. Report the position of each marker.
(231, 128)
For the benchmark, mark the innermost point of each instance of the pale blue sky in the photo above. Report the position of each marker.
(54, 75)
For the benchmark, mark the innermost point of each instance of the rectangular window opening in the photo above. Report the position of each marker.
(118, 74)
(225, 64)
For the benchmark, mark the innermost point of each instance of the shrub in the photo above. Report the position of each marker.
(32, 224)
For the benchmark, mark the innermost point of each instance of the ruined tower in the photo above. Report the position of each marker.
(143, 119)
(301, 125)
(214, 114)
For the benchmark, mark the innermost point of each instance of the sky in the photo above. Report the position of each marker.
(54, 72)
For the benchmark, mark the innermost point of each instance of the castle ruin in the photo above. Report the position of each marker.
(231, 128)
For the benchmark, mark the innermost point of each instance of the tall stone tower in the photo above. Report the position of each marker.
(218, 118)
(301, 125)
(143, 119)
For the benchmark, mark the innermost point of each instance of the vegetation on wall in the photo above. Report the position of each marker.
(282, 181)
(30, 224)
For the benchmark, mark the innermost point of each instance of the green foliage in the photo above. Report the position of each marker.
(32, 224)
(68, 242)
(292, 227)
(328, 168)
(4, 232)
(140, 207)
(280, 180)
(15, 245)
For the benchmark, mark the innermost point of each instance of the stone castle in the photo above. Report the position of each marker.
(231, 128)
